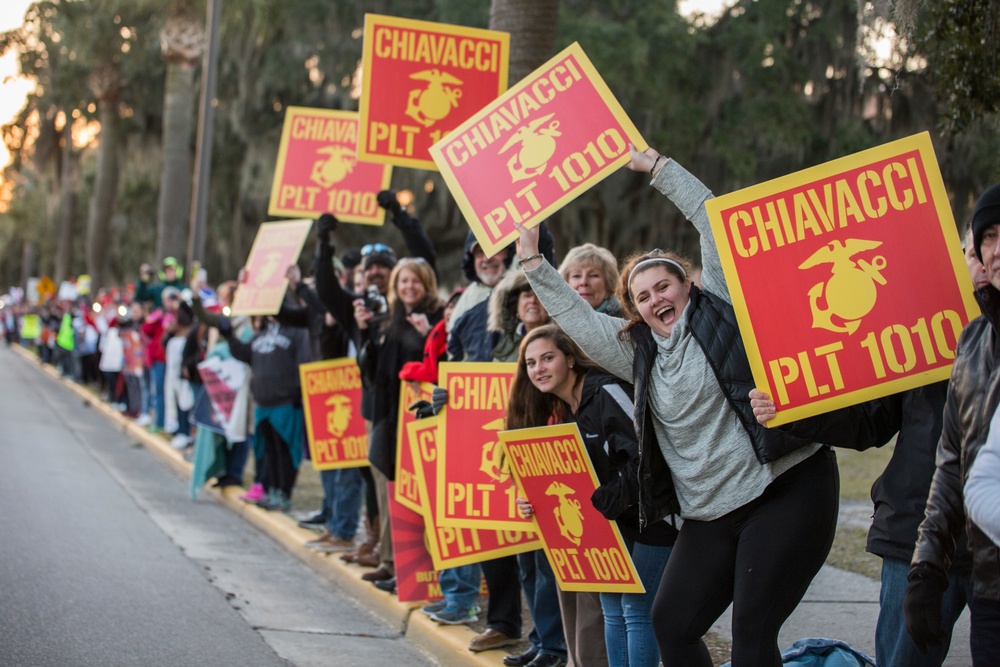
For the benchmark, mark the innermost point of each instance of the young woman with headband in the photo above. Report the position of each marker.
(759, 505)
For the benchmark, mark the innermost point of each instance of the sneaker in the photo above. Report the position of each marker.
(313, 521)
(180, 441)
(454, 616)
(143, 420)
(275, 501)
(434, 607)
(154, 429)
(255, 494)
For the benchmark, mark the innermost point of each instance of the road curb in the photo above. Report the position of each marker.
(446, 644)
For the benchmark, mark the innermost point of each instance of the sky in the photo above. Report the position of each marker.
(14, 89)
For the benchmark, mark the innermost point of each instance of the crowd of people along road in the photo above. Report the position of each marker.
(715, 508)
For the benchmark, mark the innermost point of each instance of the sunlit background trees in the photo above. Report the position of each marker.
(102, 153)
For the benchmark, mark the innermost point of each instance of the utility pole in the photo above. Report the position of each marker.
(203, 158)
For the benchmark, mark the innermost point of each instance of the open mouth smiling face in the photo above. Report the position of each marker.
(660, 298)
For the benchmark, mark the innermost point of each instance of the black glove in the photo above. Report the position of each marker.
(922, 606)
(422, 409)
(387, 200)
(326, 225)
(439, 398)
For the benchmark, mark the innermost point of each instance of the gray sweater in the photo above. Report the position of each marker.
(709, 453)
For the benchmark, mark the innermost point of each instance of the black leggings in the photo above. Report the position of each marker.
(760, 557)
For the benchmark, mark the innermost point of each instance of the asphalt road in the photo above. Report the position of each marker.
(105, 560)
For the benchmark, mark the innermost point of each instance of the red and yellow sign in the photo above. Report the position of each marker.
(848, 278)
(585, 550)
(407, 488)
(475, 489)
(533, 150)
(276, 247)
(416, 578)
(318, 170)
(421, 80)
(331, 398)
(451, 547)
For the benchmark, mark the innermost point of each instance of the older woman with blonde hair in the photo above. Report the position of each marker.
(592, 272)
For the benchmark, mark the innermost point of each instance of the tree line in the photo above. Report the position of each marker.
(102, 152)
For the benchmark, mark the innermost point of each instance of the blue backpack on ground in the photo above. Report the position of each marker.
(820, 652)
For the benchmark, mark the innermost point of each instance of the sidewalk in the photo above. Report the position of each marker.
(838, 605)
(844, 605)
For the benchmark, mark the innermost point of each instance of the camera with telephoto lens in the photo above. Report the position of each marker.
(376, 305)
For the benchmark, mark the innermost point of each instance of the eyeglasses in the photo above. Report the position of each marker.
(369, 248)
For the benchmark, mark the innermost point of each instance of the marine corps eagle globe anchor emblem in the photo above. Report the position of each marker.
(494, 460)
(569, 518)
(429, 105)
(537, 146)
(338, 163)
(850, 293)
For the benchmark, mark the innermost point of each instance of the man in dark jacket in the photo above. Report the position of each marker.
(900, 494)
(972, 399)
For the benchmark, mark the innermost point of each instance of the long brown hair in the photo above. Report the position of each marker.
(527, 406)
(629, 310)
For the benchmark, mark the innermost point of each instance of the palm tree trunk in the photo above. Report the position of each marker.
(69, 182)
(175, 181)
(532, 25)
(102, 204)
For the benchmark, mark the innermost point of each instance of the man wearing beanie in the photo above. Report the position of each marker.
(972, 399)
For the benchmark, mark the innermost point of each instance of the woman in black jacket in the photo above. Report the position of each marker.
(556, 382)
(388, 343)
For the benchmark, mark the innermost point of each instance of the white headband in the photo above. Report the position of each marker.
(653, 260)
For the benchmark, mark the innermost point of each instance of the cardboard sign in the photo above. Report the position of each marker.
(134, 350)
(848, 279)
(534, 149)
(416, 578)
(276, 247)
(451, 547)
(331, 398)
(475, 489)
(318, 170)
(226, 385)
(421, 80)
(585, 550)
(407, 489)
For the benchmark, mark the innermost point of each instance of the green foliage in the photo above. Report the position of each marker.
(771, 87)
(961, 39)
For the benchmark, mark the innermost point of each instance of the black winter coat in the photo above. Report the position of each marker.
(604, 418)
(392, 348)
(900, 493)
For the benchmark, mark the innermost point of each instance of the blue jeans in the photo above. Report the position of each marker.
(628, 624)
(893, 646)
(460, 585)
(984, 638)
(541, 590)
(341, 501)
(159, 399)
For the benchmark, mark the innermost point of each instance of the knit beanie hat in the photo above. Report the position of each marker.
(986, 214)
